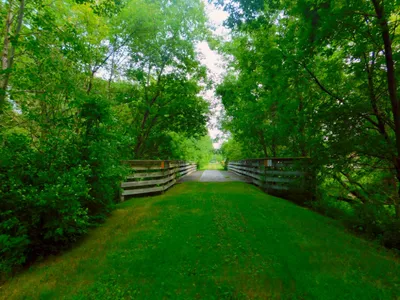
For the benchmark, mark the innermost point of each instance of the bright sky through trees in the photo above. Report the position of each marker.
(215, 65)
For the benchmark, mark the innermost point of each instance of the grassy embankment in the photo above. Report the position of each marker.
(214, 241)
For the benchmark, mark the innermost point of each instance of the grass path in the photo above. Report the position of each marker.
(214, 166)
(214, 241)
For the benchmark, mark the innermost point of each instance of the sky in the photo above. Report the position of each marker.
(215, 65)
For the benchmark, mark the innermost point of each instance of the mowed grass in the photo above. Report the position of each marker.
(214, 241)
(213, 166)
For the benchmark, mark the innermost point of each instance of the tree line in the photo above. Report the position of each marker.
(83, 85)
(319, 79)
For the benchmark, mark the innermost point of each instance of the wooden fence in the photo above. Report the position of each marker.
(291, 178)
(152, 176)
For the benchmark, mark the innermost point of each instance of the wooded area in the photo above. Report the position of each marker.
(319, 79)
(85, 85)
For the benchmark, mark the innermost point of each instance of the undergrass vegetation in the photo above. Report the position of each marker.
(214, 241)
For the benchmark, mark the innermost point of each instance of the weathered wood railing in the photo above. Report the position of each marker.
(291, 178)
(152, 176)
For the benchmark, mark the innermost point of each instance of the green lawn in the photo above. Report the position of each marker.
(214, 241)
(214, 166)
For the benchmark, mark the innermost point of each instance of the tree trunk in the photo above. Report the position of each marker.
(141, 137)
(8, 52)
(302, 144)
(263, 144)
(5, 58)
(273, 146)
(352, 191)
(111, 73)
(392, 89)
(90, 84)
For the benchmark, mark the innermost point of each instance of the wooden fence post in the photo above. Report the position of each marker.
(152, 176)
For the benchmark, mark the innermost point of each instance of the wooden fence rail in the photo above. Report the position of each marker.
(152, 176)
(291, 178)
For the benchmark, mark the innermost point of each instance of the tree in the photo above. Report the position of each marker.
(321, 78)
(163, 68)
(92, 82)
(11, 33)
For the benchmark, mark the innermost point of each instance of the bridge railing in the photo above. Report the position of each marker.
(291, 178)
(154, 176)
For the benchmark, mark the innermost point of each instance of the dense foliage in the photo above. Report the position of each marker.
(84, 85)
(320, 79)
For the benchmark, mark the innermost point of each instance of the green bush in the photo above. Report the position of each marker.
(41, 201)
(52, 191)
(391, 236)
(375, 221)
(13, 242)
(331, 207)
(368, 219)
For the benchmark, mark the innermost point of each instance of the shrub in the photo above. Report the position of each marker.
(391, 236)
(375, 221)
(378, 222)
(13, 242)
(52, 190)
(368, 219)
(331, 207)
(41, 201)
